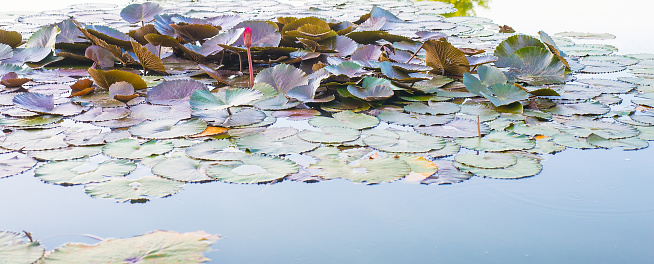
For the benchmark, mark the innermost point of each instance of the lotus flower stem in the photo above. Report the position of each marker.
(247, 40)
(478, 128)
(416, 53)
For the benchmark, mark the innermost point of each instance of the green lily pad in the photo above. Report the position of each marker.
(609, 86)
(67, 153)
(584, 128)
(347, 119)
(268, 143)
(86, 138)
(168, 128)
(546, 146)
(19, 248)
(524, 167)
(369, 170)
(224, 99)
(279, 102)
(329, 135)
(505, 94)
(587, 108)
(512, 44)
(497, 141)
(39, 139)
(458, 128)
(421, 168)
(646, 133)
(581, 50)
(98, 114)
(182, 169)
(237, 117)
(130, 148)
(546, 129)
(487, 161)
(252, 169)
(13, 166)
(73, 172)
(133, 190)
(404, 142)
(215, 150)
(399, 118)
(488, 75)
(535, 66)
(174, 91)
(632, 143)
(471, 112)
(571, 141)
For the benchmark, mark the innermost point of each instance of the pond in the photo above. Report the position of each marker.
(585, 206)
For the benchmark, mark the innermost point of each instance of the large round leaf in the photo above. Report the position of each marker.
(283, 77)
(399, 118)
(147, 59)
(268, 143)
(143, 12)
(66, 153)
(13, 166)
(524, 167)
(404, 142)
(237, 118)
(105, 79)
(445, 58)
(253, 169)
(38, 139)
(535, 66)
(138, 190)
(487, 161)
(130, 148)
(19, 248)
(369, 170)
(346, 119)
(513, 43)
(497, 141)
(72, 172)
(216, 150)
(182, 169)
(224, 99)
(329, 135)
(168, 128)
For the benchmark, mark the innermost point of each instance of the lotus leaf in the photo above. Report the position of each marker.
(147, 59)
(346, 119)
(571, 141)
(609, 86)
(371, 37)
(13, 166)
(488, 75)
(445, 58)
(101, 56)
(347, 68)
(155, 112)
(45, 37)
(432, 85)
(174, 92)
(168, 128)
(581, 50)
(130, 148)
(587, 108)
(513, 43)
(252, 169)
(279, 102)
(31, 121)
(450, 149)
(264, 33)
(211, 46)
(584, 128)
(182, 169)
(105, 79)
(269, 143)
(110, 35)
(67, 153)
(413, 119)
(133, 190)
(505, 94)
(73, 172)
(487, 161)
(369, 170)
(223, 99)
(215, 150)
(5, 52)
(472, 112)
(35, 102)
(497, 141)
(524, 167)
(143, 12)
(404, 142)
(85, 138)
(19, 248)
(343, 45)
(632, 143)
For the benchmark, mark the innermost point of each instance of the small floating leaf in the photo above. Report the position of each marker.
(13, 166)
(130, 148)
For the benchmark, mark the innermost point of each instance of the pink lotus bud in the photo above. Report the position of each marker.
(247, 37)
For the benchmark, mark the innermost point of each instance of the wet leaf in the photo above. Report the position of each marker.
(632, 143)
(403, 142)
(536, 66)
(121, 189)
(283, 77)
(168, 128)
(67, 153)
(182, 169)
(43, 38)
(413, 119)
(524, 167)
(216, 150)
(506, 48)
(369, 170)
(329, 135)
(223, 99)
(497, 141)
(174, 92)
(13, 166)
(487, 161)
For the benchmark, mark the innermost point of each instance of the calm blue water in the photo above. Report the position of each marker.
(585, 207)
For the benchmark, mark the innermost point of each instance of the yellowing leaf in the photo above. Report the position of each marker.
(210, 131)
(147, 59)
(105, 79)
(445, 58)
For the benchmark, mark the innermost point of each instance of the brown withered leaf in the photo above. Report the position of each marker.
(210, 131)
(139, 34)
(82, 92)
(470, 51)
(213, 73)
(124, 58)
(11, 38)
(81, 84)
(195, 32)
(506, 29)
(125, 98)
(11, 80)
(444, 58)
(147, 59)
(105, 79)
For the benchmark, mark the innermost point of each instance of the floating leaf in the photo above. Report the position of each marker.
(330, 135)
(632, 143)
(215, 150)
(497, 141)
(13, 166)
(404, 142)
(487, 161)
(120, 89)
(19, 248)
(212, 45)
(609, 86)
(105, 79)
(73, 172)
(446, 174)
(35, 102)
(85, 138)
(174, 92)
(38, 139)
(445, 58)
(143, 12)
(506, 48)
(45, 37)
(67, 153)
(346, 119)
(223, 99)
(269, 142)
(252, 169)
(130, 148)
(264, 33)
(488, 75)
(587, 108)
(571, 141)
(524, 167)
(138, 190)
(237, 118)
(369, 170)
(31, 121)
(347, 68)
(182, 169)
(168, 128)
(283, 77)
(373, 89)
(504, 94)
(413, 119)
(440, 108)
(584, 128)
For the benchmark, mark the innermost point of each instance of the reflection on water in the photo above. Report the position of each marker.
(465, 7)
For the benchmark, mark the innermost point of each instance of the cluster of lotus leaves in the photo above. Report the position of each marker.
(135, 109)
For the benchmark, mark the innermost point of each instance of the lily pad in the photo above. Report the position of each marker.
(282, 77)
(505, 94)
(399, 118)
(587, 108)
(508, 47)
(346, 119)
(369, 170)
(105, 79)
(571, 141)
(168, 128)
(446, 174)
(632, 143)
(143, 12)
(268, 142)
(404, 142)
(182, 169)
(445, 58)
(329, 135)
(252, 169)
(535, 66)
(584, 128)
(19, 248)
(133, 190)
(30, 121)
(67, 153)
(488, 76)
(234, 118)
(487, 161)
(38, 139)
(174, 92)
(497, 141)
(524, 167)
(13, 166)
(73, 172)
(223, 99)
(215, 150)
(130, 148)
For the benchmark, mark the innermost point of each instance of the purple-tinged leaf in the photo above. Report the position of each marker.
(374, 93)
(22, 55)
(347, 68)
(264, 33)
(121, 88)
(174, 92)
(144, 12)
(5, 51)
(367, 53)
(373, 23)
(35, 102)
(101, 56)
(342, 44)
(211, 47)
(69, 32)
(45, 37)
(283, 77)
